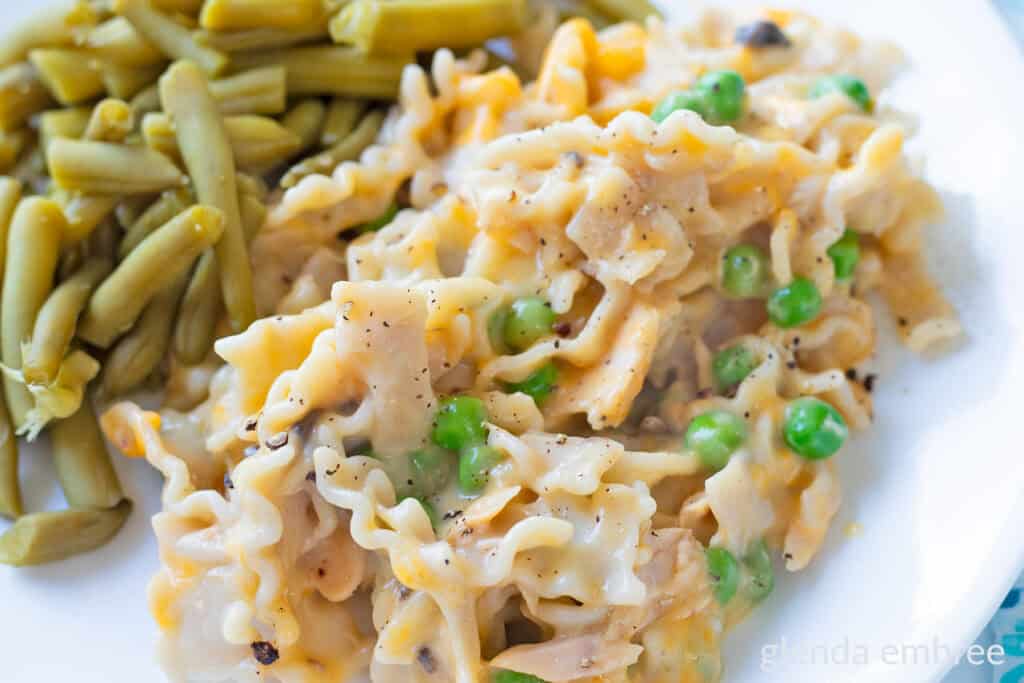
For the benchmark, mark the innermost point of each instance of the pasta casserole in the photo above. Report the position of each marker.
(552, 377)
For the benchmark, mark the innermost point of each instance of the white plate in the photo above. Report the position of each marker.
(936, 486)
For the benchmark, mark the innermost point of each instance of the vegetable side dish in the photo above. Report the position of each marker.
(535, 376)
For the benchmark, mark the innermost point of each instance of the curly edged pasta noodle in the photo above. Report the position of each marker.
(560, 263)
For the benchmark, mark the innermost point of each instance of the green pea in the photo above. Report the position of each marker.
(538, 385)
(714, 436)
(851, 86)
(758, 562)
(678, 101)
(506, 676)
(731, 366)
(745, 271)
(529, 318)
(460, 423)
(725, 574)
(845, 254)
(381, 221)
(723, 96)
(496, 330)
(813, 428)
(430, 468)
(475, 463)
(795, 304)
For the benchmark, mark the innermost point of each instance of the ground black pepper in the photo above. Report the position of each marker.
(265, 653)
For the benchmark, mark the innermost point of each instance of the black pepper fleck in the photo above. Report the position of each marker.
(265, 653)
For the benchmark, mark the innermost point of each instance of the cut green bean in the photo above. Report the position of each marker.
(63, 123)
(251, 185)
(131, 208)
(117, 41)
(146, 101)
(56, 322)
(206, 149)
(125, 82)
(45, 537)
(258, 91)
(261, 38)
(10, 491)
(84, 212)
(22, 94)
(169, 205)
(71, 75)
(306, 119)
(624, 10)
(236, 15)
(106, 168)
(137, 354)
(111, 121)
(148, 269)
(83, 464)
(31, 171)
(201, 307)
(36, 230)
(332, 70)
(257, 142)
(382, 27)
(52, 27)
(168, 36)
(348, 149)
(342, 117)
(12, 145)
(191, 7)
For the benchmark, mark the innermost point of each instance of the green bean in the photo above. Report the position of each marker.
(348, 149)
(55, 325)
(259, 91)
(624, 10)
(342, 117)
(31, 171)
(306, 120)
(257, 142)
(234, 15)
(170, 37)
(84, 212)
(332, 70)
(82, 462)
(52, 536)
(251, 185)
(166, 207)
(10, 491)
(63, 123)
(398, 26)
(126, 82)
(52, 27)
(148, 269)
(184, 6)
(22, 94)
(206, 150)
(70, 75)
(195, 330)
(12, 145)
(111, 121)
(116, 40)
(567, 9)
(137, 354)
(106, 168)
(36, 230)
(261, 38)
(146, 100)
(131, 208)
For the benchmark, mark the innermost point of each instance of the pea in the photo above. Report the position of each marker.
(795, 304)
(460, 423)
(430, 468)
(529, 318)
(851, 86)
(714, 436)
(506, 676)
(723, 96)
(845, 254)
(678, 101)
(380, 221)
(538, 385)
(731, 366)
(725, 574)
(758, 562)
(745, 271)
(496, 331)
(475, 463)
(813, 428)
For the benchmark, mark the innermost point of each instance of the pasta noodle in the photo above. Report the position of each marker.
(584, 555)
